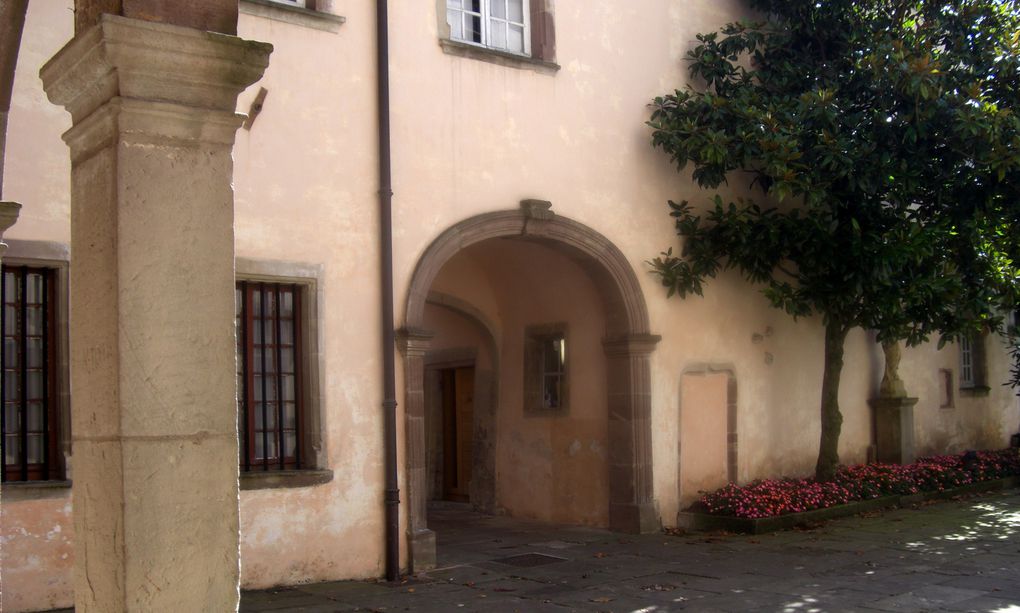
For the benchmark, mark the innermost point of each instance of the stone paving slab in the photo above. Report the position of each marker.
(961, 555)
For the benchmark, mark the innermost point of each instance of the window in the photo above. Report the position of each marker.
(270, 383)
(299, 3)
(315, 14)
(554, 350)
(496, 24)
(29, 364)
(966, 362)
(972, 362)
(545, 368)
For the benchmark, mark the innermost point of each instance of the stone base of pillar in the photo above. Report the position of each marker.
(422, 550)
(894, 429)
(634, 517)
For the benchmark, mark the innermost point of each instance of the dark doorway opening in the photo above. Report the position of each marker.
(457, 394)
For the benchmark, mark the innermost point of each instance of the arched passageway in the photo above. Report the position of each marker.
(626, 346)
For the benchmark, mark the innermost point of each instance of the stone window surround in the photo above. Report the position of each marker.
(313, 15)
(628, 346)
(543, 41)
(54, 255)
(313, 442)
(57, 255)
(946, 395)
(532, 371)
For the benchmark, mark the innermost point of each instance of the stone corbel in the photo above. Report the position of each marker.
(8, 215)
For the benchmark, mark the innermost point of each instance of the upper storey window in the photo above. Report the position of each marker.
(497, 24)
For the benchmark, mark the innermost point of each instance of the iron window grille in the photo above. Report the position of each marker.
(269, 378)
(29, 366)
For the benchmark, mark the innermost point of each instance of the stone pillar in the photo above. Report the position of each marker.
(152, 288)
(894, 429)
(421, 542)
(632, 507)
(894, 412)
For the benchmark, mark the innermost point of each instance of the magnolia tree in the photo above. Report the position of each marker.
(884, 137)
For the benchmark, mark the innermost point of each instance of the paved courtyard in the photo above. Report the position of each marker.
(961, 555)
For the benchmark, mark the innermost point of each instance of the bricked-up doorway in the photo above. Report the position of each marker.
(627, 345)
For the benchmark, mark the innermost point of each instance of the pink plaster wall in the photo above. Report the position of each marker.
(454, 330)
(703, 441)
(37, 554)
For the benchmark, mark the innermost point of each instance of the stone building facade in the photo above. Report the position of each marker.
(541, 371)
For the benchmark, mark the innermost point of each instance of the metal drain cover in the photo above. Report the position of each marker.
(528, 560)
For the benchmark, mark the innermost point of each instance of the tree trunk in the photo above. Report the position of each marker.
(832, 419)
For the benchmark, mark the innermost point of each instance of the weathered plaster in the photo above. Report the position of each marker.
(469, 138)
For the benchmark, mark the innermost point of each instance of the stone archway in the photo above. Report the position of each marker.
(628, 344)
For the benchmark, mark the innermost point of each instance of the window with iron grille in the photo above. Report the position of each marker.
(29, 365)
(269, 377)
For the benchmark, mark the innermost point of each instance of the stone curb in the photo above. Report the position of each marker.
(704, 522)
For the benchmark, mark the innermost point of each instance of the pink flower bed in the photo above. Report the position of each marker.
(771, 497)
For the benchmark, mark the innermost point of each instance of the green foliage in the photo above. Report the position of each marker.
(886, 138)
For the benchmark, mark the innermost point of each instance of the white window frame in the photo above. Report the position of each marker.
(297, 3)
(487, 19)
(967, 364)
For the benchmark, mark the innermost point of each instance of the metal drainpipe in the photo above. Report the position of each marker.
(386, 259)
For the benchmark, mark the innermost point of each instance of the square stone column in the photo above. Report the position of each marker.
(421, 541)
(152, 322)
(632, 506)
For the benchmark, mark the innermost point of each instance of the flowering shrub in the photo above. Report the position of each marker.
(770, 497)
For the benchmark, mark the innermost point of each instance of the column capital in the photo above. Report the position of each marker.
(631, 344)
(414, 341)
(146, 61)
(8, 215)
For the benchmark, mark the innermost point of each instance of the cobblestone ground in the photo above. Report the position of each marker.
(961, 555)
